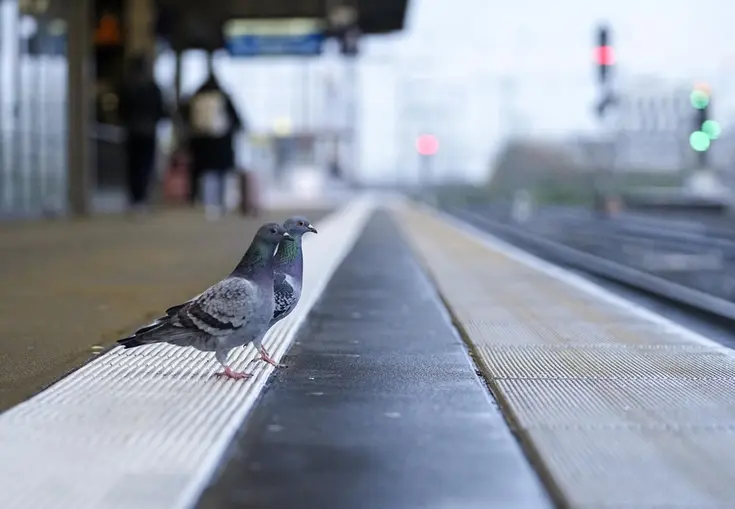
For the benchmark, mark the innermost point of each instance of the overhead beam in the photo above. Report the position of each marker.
(374, 16)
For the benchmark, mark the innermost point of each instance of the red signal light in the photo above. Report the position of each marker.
(427, 145)
(604, 55)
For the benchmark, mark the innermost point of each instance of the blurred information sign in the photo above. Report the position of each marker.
(271, 37)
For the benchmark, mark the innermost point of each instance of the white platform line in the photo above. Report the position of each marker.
(572, 279)
(146, 428)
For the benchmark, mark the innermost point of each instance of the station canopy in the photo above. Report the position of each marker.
(197, 24)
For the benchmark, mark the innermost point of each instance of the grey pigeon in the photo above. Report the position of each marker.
(229, 314)
(289, 276)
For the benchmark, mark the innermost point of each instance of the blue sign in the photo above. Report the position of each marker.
(264, 45)
(295, 37)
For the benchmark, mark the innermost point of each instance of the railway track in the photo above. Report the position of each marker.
(693, 266)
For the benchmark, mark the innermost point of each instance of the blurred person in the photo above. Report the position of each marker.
(211, 121)
(141, 109)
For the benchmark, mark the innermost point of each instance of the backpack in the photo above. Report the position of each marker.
(209, 116)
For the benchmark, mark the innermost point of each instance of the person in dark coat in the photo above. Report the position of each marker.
(141, 108)
(211, 122)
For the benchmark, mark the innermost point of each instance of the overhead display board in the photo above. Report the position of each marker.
(274, 37)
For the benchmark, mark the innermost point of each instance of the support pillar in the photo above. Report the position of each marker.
(80, 183)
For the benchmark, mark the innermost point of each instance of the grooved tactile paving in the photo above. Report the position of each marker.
(145, 428)
(604, 403)
(619, 407)
(604, 361)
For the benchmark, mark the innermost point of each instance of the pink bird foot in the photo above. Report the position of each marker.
(264, 356)
(235, 375)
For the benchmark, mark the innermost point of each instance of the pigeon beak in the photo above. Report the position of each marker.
(287, 236)
(312, 229)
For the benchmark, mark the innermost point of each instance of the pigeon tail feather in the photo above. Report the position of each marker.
(130, 342)
(153, 333)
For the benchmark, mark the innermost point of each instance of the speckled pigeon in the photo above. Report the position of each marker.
(289, 276)
(231, 313)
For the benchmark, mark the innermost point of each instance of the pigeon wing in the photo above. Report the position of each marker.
(220, 310)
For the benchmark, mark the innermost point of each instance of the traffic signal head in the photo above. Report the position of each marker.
(705, 130)
(604, 54)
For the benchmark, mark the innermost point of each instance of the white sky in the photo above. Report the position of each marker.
(542, 50)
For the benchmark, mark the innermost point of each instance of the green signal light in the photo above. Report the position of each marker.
(699, 141)
(712, 129)
(699, 99)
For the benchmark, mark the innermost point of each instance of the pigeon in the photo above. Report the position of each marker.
(289, 276)
(230, 313)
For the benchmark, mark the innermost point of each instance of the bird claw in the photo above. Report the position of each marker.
(271, 362)
(235, 375)
(267, 358)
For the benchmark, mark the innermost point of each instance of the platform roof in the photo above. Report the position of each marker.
(197, 23)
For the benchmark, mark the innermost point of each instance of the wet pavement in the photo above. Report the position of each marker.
(380, 406)
(73, 287)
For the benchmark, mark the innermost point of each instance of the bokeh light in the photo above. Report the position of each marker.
(699, 141)
(427, 145)
(712, 129)
(699, 99)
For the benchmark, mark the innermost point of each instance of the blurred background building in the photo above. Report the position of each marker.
(476, 75)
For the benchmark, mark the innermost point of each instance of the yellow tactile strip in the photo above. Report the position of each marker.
(617, 410)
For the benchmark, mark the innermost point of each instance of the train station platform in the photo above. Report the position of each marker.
(429, 366)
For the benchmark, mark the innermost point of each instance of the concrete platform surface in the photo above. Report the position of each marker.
(618, 407)
(71, 287)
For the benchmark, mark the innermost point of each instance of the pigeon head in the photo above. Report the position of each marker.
(259, 257)
(298, 225)
(272, 233)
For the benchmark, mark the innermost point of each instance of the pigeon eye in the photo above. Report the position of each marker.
(273, 230)
(301, 223)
